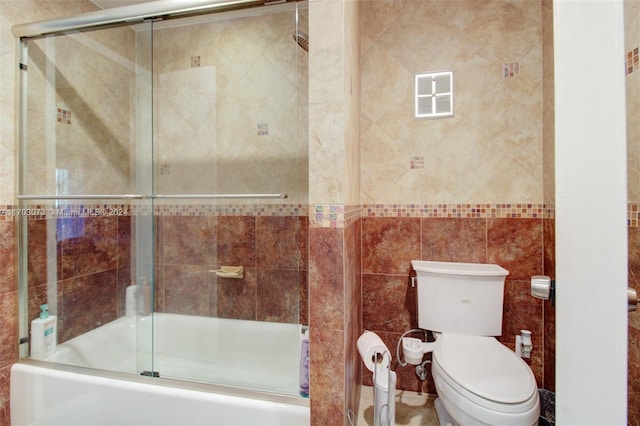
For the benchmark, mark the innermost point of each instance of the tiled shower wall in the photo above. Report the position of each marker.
(85, 289)
(94, 268)
(8, 313)
(272, 250)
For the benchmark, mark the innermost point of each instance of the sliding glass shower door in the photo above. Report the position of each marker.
(85, 176)
(163, 195)
(230, 186)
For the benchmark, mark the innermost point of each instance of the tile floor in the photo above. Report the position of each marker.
(412, 409)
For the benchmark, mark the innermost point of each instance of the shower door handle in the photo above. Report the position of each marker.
(632, 299)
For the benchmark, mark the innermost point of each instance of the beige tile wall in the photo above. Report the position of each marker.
(14, 12)
(334, 102)
(632, 80)
(226, 91)
(229, 92)
(548, 117)
(491, 150)
(63, 74)
(81, 88)
(632, 43)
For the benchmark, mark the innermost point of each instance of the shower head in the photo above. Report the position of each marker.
(302, 39)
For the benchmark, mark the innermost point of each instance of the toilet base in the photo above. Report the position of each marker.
(444, 417)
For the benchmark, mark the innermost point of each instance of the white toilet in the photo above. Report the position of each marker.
(479, 381)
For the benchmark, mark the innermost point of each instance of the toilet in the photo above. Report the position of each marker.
(479, 381)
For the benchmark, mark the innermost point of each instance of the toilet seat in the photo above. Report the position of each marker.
(480, 377)
(486, 368)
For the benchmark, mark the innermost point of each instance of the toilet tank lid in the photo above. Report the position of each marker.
(455, 268)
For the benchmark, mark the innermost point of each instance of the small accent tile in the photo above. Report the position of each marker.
(195, 61)
(511, 69)
(263, 129)
(333, 215)
(417, 162)
(632, 61)
(64, 116)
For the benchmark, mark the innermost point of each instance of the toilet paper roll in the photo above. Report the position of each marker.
(370, 344)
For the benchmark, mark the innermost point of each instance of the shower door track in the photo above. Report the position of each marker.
(144, 197)
(126, 15)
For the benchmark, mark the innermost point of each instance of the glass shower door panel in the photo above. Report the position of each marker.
(229, 131)
(86, 127)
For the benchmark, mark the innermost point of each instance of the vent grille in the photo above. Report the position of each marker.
(434, 95)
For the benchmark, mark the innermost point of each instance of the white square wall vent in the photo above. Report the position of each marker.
(434, 95)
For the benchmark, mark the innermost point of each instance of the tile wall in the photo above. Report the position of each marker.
(335, 318)
(272, 250)
(548, 183)
(468, 188)
(634, 329)
(238, 110)
(385, 239)
(389, 301)
(93, 268)
(382, 244)
(334, 197)
(632, 81)
(8, 313)
(14, 12)
(490, 151)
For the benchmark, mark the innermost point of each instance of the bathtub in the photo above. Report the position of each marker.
(211, 372)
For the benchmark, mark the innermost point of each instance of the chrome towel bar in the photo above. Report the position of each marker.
(141, 197)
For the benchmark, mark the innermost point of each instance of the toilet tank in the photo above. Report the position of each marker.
(462, 298)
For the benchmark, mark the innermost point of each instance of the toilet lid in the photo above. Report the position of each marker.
(485, 367)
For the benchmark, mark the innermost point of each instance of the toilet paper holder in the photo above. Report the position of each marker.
(543, 287)
(377, 359)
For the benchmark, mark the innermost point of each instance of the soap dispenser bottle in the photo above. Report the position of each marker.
(44, 334)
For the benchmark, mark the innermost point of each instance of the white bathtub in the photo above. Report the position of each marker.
(259, 360)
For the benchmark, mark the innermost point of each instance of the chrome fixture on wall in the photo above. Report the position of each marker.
(302, 39)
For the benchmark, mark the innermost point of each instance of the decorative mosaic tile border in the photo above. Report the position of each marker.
(337, 216)
(322, 216)
(231, 210)
(523, 210)
(633, 215)
(42, 211)
(333, 216)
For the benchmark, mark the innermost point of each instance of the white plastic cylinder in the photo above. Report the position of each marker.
(130, 300)
(527, 345)
(541, 287)
(384, 409)
(412, 349)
